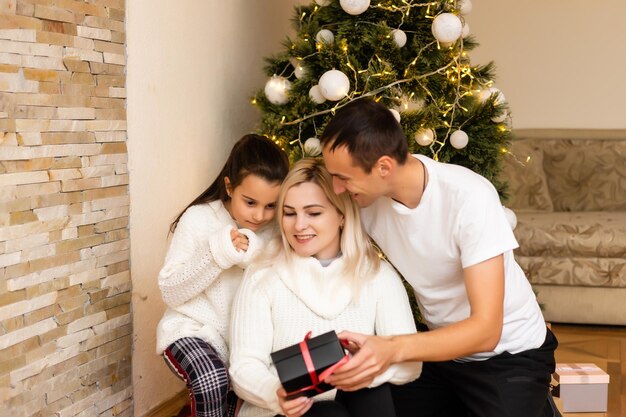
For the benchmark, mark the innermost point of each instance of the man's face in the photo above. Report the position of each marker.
(363, 188)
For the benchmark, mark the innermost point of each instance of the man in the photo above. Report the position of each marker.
(488, 352)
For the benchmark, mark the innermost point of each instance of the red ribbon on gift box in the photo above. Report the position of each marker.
(315, 379)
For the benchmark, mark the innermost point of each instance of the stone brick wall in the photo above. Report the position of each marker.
(65, 324)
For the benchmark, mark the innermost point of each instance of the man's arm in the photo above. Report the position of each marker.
(480, 332)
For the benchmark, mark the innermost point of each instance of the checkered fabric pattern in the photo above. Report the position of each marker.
(197, 363)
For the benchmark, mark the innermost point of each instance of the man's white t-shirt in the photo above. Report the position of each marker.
(458, 223)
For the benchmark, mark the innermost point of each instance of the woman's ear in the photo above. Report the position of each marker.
(227, 185)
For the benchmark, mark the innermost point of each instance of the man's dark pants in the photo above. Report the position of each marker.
(503, 386)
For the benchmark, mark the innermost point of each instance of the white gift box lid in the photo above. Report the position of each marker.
(580, 373)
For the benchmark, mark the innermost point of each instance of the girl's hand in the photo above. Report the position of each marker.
(240, 241)
(295, 407)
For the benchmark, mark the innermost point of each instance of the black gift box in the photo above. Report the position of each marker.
(325, 350)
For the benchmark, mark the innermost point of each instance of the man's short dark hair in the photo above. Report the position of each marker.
(369, 130)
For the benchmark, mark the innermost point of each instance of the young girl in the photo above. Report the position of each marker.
(322, 275)
(214, 239)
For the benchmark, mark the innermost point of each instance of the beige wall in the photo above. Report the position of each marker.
(192, 67)
(65, 323)
(559, 63)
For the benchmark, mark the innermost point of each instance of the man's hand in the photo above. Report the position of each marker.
(373, 356)
(240, 241)
(295, 407)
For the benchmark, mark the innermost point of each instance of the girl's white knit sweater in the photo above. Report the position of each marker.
(276, 306)
(200, 275)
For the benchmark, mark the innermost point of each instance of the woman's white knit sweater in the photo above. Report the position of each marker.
(276, 306)
(200, 277)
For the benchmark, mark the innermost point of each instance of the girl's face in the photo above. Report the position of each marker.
(252, 203)
(310, 222)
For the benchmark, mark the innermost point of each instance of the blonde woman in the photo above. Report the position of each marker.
(322, 274)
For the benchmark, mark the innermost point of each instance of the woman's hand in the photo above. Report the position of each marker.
(240, 241)
(295, 407)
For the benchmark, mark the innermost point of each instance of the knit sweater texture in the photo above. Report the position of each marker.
(200, 276)
(276, 306)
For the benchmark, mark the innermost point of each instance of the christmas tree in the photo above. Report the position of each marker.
(410, 56)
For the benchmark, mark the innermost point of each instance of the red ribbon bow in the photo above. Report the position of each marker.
(308, 362)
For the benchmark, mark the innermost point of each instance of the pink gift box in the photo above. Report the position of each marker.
(584, 387)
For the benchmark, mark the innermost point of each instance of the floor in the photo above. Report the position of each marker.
(603, 345)
(606, 347)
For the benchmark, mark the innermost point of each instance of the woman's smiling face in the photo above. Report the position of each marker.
(311, 224)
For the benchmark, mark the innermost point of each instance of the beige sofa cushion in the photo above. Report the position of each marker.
(523, 170)
(585, 272)
(586, 175)
(566, 234)
(593, 305)
(584, 248)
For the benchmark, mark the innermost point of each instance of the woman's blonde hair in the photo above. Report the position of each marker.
(361, 259)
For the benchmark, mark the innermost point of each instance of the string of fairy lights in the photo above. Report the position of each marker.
(449, 30)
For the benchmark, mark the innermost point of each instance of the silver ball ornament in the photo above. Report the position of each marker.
(424, 136)
(354, 7)
(277, 90)
(447, 28)
(312, 147)
(334, 85)
(459, 139)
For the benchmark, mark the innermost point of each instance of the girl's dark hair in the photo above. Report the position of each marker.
(369, 131)
(252, 154)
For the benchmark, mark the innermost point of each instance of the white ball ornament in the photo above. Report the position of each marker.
(325, 36)
(277, 90)
(483, 93)
(447, 28)
(459, 139)
(312, 147)
(510, 217)
(323, 3)
(464, 6)
(396, 114)
(354, 7)
(300, 71)
(424, 137)
(334, 85)
(315, 93)
(466, 30)
(486, 92)
(499, 95)
(508, 123)
(399, 37)
(411, 104)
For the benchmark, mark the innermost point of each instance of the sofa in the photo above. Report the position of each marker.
(567, 189)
